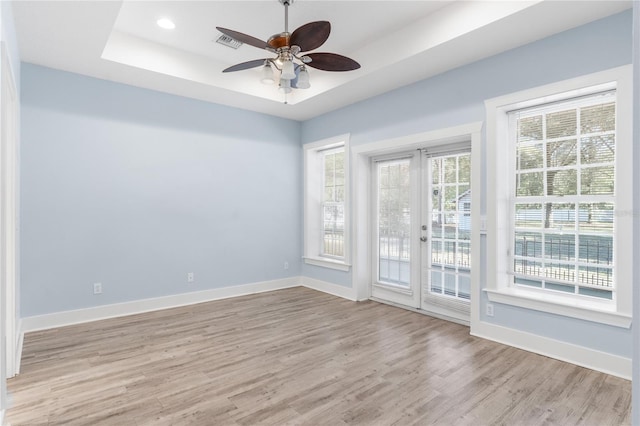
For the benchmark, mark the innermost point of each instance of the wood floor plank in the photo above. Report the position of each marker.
(298, 357)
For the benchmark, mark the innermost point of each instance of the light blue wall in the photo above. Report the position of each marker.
(457, 97)
(134, 188)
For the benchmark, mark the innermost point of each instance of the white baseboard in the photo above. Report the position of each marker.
(61, 319)
(327, 287)
(574, 354)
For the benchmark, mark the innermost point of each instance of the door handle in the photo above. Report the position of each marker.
(423, 239)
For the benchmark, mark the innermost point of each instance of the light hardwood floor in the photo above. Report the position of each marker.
(299, 357)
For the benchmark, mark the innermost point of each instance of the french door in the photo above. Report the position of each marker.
(396, 207)
(422, 229)
(446, 251)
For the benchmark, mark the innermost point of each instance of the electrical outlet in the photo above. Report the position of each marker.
(190, 277)
(286, 265)
(489, 309)
(97, 288)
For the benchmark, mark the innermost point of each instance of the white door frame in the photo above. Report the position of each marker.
(9, 206)
(362, 185)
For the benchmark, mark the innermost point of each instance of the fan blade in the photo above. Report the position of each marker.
(245, 65)
(244, 38)
(332, 62)
(311, 36)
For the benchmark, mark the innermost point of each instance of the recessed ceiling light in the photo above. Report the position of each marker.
(166, 23)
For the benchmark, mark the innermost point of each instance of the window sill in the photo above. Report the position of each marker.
(594, 312)
(327, 263)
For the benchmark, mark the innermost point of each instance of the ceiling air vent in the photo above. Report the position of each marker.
(229, 41)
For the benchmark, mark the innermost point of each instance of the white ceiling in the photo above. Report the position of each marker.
(396, 42)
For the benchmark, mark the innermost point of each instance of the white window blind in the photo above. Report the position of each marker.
(563, 201)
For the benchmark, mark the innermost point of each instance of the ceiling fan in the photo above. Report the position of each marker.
(289, 48)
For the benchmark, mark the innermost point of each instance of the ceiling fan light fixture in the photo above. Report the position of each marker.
(285, 86)
(303, 78)
(267, 74)
(288, 71)
(292, 54)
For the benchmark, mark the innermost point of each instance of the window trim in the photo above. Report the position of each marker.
(499, 221)
(313, 177)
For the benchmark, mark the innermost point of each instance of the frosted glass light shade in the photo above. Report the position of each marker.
(288, 73)
(303, 79)
(267, 74)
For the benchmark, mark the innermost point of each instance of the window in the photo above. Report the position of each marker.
(558, 222)
(325, 204)
(564, 195)
(332, 239)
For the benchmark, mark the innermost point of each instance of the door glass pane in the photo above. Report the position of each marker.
(450, 284)
(450, 234)
(464, 287)
(394, 222)
(436, 282)
(436, 252)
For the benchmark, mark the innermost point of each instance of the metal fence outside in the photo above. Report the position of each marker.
(594, 259)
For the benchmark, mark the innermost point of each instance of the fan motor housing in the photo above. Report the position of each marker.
(279, 40)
